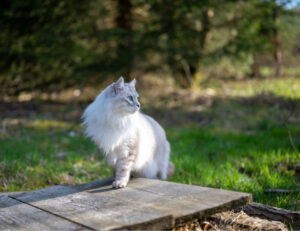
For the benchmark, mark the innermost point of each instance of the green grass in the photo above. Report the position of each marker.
(236, 161)
(245, 146)
(38, 157)
(281, 87)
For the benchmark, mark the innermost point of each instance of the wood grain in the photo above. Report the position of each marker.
(15, 215)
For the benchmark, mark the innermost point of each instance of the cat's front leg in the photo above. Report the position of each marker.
(122, 171)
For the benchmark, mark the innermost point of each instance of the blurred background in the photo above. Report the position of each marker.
(222, 77)
(53, 45)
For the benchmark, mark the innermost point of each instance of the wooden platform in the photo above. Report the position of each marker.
(144, 204)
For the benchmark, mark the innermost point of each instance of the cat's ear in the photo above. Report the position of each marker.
(119, 85)
(132, 83)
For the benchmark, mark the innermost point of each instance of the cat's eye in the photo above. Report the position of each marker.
(130, 98)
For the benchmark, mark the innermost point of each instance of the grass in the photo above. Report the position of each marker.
(44, 154)
(236, 138)
(242, 162)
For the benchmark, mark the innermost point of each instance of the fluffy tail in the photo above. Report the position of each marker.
(171, 169)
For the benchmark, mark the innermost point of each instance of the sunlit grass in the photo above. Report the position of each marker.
(248, 163)
(282, 87)
(39, 158)
(46, 125)
(289, 88)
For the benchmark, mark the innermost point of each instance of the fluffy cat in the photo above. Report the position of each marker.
(132, 141)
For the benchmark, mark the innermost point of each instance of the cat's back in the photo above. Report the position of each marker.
(153, 146)
(150, 125)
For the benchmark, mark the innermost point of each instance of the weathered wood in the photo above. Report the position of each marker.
(98, 212)
(15, 215)
(144, 204)
(94, 184)
(46, 193)
(183, 202)
(273, 213)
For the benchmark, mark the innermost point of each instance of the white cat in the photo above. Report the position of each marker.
(131, 141)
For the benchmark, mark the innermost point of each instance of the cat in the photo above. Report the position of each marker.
(131, 141)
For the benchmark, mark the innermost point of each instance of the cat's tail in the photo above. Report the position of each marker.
(171, 169)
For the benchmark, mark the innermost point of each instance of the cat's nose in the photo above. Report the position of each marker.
(138, 105)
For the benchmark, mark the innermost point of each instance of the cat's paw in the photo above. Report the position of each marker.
(119, 184)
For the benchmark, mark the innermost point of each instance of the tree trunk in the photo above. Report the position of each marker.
(255, 67)
(276, 41)
(123, 21)
(206, 27)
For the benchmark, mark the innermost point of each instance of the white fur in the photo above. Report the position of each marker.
(116, 129)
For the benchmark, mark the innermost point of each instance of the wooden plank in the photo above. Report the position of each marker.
(46, 193)
(98, 212)
(15, 215)
(183, 202)
(144, 204)
(94, 184)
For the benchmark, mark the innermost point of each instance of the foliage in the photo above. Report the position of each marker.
(39, 43)
(52, 45)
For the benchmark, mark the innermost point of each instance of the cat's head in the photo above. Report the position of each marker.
(123, 97)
